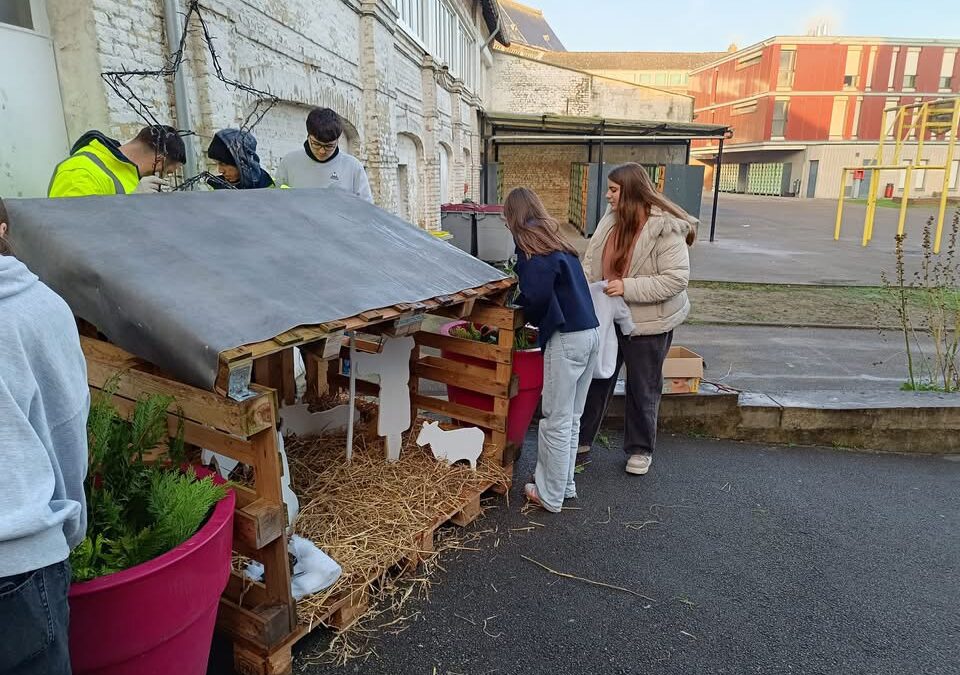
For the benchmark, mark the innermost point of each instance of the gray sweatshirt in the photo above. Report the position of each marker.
(44, 401)
(299, 170)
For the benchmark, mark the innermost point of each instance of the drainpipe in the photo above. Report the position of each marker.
(181, 104)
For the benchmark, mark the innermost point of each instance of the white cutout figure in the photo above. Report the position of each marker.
(454, 445)
(297, 419)
(224, 465)
(392, 364)
(289, 496)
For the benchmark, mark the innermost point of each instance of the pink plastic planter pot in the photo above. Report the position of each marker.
(528, 367)
(156, 618)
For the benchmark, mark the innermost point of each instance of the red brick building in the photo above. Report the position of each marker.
(801, 108)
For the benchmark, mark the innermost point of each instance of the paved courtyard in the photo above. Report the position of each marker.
(783, 240)
(753, 559)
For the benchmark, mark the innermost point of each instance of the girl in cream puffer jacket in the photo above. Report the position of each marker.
(640, 250)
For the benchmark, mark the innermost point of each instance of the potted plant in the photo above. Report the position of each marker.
(147, 578)
(527, 366)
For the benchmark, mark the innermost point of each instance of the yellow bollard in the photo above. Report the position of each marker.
(843, 185)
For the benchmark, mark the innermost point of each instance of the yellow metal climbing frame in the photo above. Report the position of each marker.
(924, 122)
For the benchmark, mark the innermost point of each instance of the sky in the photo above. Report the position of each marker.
(705, 25)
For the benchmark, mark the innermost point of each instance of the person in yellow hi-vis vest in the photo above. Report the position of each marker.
(99, 165)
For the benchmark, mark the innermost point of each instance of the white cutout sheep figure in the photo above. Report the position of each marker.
(392, 364)
(454, 445)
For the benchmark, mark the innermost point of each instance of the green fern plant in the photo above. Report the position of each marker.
(137, 510)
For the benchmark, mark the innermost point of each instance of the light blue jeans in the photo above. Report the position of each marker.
(568, 364)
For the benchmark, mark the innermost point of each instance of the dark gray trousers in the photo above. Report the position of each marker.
(643, 356)
(35, 616)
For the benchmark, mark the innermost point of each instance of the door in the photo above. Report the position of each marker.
(683, 184)
(812, 178)
(34, 134)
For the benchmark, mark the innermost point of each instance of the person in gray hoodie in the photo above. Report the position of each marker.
(44, 401)
(235, 152)
(321, 163)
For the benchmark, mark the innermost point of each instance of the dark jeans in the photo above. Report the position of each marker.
(35, 617)
(644, 356)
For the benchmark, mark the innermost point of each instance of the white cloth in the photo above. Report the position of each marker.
(611, 312)
(313, 571)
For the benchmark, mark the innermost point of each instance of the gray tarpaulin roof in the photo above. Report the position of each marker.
(178, 278)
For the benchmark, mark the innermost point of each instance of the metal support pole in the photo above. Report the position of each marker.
(600, 178)
(181, 104)
(872, 206)
(947, 169)
(716, 190)
(484, 170)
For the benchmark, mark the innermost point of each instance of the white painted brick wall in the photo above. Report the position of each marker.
(531, 87)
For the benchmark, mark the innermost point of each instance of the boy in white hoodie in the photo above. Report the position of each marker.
(44, 401)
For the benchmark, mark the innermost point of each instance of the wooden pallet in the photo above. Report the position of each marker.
(246, 431)
(270, 361)
(344, 608)
(260, 618)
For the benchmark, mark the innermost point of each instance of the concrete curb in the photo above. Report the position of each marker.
(773, 324)
(905, 422)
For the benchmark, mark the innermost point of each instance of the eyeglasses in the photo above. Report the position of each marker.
(324, 146)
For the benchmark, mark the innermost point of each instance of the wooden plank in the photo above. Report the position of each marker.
(250, 659)
(469, 369)
(460, 412)
(325, 348)
(364, 388)
(245, 592)
(501, 317)
(469, 513)
(458, 311)
(355, 607)
(413, 383)
(245, 495)
(268, 471)
(289, 389)
(462, 380)
(259, 523)
(265, 626)
(241, 419)
(290, 338)
(479, 350)
(312, 365)
(193, 433)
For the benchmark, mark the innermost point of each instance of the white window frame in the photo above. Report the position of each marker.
(789, 75)
(946, 70)
(855, 130)
(786, 118)
(910, 69)
(851, 69)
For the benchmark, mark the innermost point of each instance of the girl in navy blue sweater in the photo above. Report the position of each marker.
(555, 298)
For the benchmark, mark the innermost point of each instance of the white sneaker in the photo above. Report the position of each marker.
(639, 464)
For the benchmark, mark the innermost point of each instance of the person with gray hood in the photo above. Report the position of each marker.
(44, 401)
(235, 152)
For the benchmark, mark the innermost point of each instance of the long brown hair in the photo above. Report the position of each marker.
(4, 246)
(637, 195)
(534, 230)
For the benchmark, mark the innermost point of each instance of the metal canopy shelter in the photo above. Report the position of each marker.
(516, 129)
